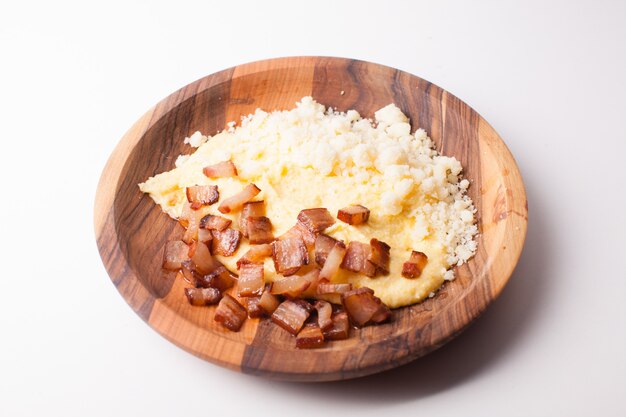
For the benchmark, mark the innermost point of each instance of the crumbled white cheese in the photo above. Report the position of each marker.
(196, 139)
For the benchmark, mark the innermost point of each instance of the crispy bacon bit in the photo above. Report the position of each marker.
(174, 254)
(238, 200)
(220, 170)
(213, 222)
(301, 232)
(202, 258)
(251, 280)
(259, 230)
(252, 305)
(189, 272)
(333, 261)
(202, 195)
(255, 254)
(291, 315)
(204, 235)
(250, 209)
(230, 313)
(316, 219)
(415, 265)
(325, 287)
(225, 242)
(203, 296)
(291, 286)
(310, 337)
(379, 255)
(354, 215)
(364, 307)
(268, 302)
(323, 245)
(324, 313)
(289, 255)
(356, 259)
(190, 219)
(341, 327)
(220, 278)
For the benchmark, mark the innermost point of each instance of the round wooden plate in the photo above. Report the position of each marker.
(131, 230)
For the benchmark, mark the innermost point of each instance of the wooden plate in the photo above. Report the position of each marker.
(131, 230)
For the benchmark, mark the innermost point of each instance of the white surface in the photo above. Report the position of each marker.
(548, 77)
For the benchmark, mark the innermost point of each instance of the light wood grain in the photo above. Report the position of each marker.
(131, 230)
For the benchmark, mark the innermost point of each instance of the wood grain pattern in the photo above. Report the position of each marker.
(131, 230)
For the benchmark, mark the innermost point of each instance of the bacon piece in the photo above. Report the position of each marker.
(174, 254)
(238, 200)
(202, 195)
(252, 305)
(355, 259)
(379, 255)
(259, 230)
(230, 313)
(251, 280)
(250, 209)
(202, 258)
(255, 254)
(220, 170)
(313, 276)
(325, 287)
(316, 219)
(340, 328)
(291, 315)
(220, 278)
(323, 245)
(364, 307)
(204, 235)
(225, 242)
(213, 222)
(415, 265)
(189, 273)
(324, 313)
(190, 219)
(301, 232)
(310, 337)
(203, 296)
(291, 286)
(289, 255)
(333, 261)
(354, 215)
(268, 302)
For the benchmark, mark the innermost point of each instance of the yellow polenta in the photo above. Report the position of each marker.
(312, 157)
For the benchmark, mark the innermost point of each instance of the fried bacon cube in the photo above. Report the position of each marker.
(256, 253)
(354, 215)
(291, 315)
(289, 255)
(259, 230)
(324, 313)
(364, 307)
(325, 287)
(316, 219)
(250, 209)
(323, 245)
(202, 195)
(415, 265)
(220, 170)
(203, 296)
(251, 280)
(356, 259)
(291, 286)
(238, 200)
(225, 242)
(340, 328)
(214, 222)
(174, 254)
(202, 259)
(268, 302)
(379, 255)
(220, 278)
(230, 313)
(333, 261)
(310, 337)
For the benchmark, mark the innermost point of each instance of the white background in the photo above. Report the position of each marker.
(549, 76)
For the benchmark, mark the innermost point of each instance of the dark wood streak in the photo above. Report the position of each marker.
(131, 230)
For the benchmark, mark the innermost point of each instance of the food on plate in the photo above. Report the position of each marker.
(260, 239)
